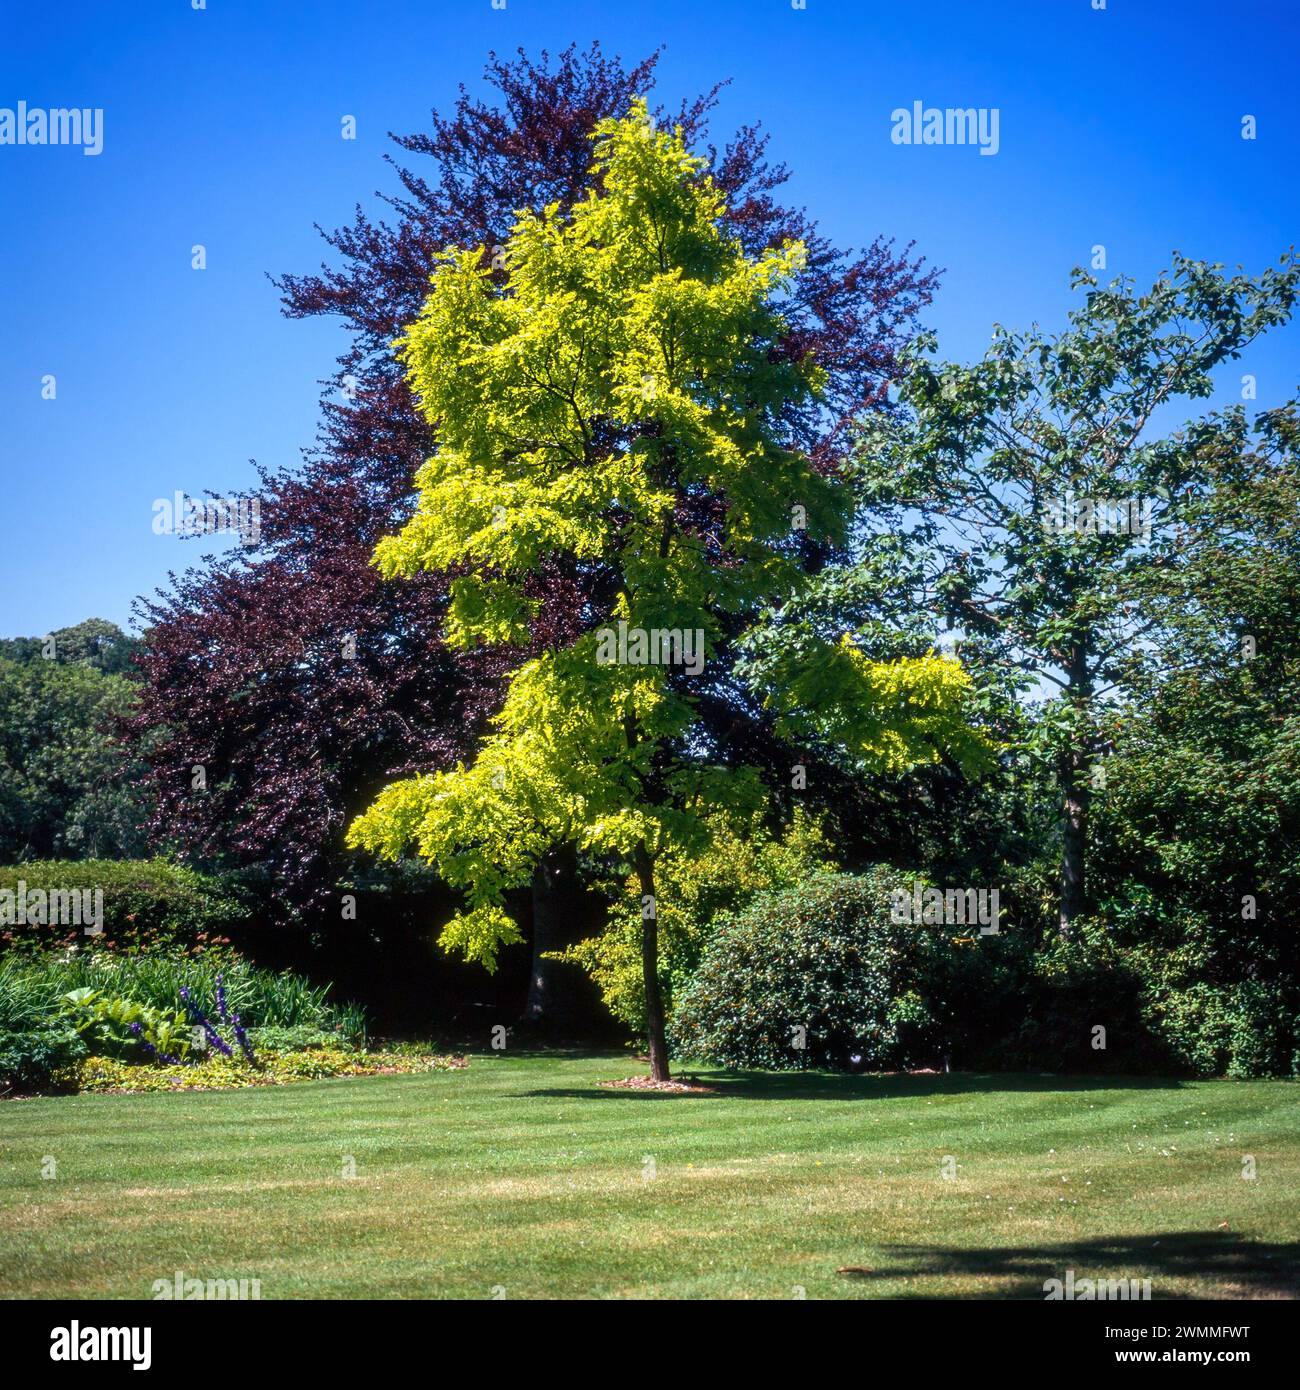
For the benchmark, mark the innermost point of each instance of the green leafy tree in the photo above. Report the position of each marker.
(95, 642)
(695, 892)
(66, 784)
(1198, 818)
(612, 411)
(1040, 508)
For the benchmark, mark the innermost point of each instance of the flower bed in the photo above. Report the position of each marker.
(218, 1073)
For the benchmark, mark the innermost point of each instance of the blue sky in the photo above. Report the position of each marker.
(222, 127)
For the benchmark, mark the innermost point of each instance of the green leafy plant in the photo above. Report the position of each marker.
(218, 1073)
(32, 986)
(113, 1026)
(36, 1058)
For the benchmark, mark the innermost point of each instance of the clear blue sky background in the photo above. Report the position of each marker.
(222, 126)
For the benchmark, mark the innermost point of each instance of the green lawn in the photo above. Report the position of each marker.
(519, 1174)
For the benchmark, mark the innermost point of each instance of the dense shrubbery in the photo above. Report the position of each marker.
(36, 1041)
(1070, 989)
(1197, 873)
(300, 1037)
(821, 964)
(824, 957)
(1191, 1015)
(148, 904)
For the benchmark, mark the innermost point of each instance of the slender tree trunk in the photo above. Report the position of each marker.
(549, 1004)
(1074, 842)
(1077, 788)
(654, 1001)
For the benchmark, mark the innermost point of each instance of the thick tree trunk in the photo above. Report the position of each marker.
(654, 1001)
(1077, 789)
(549, 1005)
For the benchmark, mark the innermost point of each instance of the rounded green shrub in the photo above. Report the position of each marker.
(818, 976)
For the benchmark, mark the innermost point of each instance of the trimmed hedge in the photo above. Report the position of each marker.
(147, 904)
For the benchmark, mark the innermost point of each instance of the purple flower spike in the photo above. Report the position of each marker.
(241, 1038)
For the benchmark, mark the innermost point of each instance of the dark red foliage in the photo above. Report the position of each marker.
(244, 664)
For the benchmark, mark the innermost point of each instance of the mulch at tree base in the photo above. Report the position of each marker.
(648, 1083)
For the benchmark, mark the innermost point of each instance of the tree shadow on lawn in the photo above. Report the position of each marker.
(793, 1085)
(1242, 1268)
